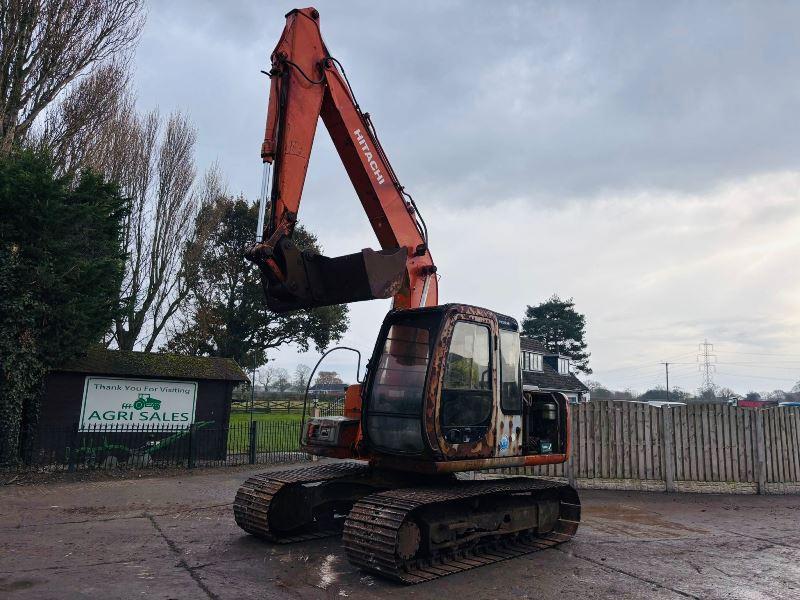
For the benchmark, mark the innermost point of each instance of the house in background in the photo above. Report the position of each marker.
(549, 372)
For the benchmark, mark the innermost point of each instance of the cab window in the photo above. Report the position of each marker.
(510, 390)
(467, 386)
(394, 408)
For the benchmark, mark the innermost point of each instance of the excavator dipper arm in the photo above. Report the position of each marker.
(306, 83)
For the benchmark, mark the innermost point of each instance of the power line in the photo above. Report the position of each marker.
(642, 376)
(635, 367)
(647, 365)
(654, 371)
(757, 353)
(646, 373)
(756, 376)
(681, 355)
(763, 365)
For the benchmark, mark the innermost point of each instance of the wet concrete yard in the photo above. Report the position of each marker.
(174, 537)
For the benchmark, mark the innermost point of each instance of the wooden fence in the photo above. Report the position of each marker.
(288, 403)
(708, 447)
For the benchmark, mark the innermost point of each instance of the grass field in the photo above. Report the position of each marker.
(271, 417)
(275, 432)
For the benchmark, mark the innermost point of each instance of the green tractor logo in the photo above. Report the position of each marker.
(145, 400)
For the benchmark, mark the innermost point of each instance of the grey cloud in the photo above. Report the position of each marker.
(650, 107)
(477, 102)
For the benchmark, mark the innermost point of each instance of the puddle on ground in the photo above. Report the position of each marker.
(327, 574)
(634, 522)
(7, 585)
(292, 557)
(301, 568)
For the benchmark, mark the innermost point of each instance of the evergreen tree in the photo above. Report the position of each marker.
(557, 324)
(61, 267)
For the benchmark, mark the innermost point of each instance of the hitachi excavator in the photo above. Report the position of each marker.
(442, 393)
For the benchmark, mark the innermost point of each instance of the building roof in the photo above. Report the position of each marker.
(550, 379)
(100, 361)
(531, 345)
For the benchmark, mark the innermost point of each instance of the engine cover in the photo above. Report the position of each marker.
(327, 432)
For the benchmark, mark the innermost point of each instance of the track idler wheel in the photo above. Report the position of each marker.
(408, 539)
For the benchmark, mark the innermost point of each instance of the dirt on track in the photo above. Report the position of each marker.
(174, 536)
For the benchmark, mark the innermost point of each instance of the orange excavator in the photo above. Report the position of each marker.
(442, 393)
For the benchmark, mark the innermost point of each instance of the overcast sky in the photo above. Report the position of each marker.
(642, 158)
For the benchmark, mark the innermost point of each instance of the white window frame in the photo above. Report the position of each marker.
(563, 366)
(531, 361)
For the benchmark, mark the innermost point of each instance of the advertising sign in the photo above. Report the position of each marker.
(132, 403)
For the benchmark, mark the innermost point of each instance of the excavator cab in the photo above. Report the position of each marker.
(444, 393)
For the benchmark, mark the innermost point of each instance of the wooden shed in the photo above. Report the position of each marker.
(125, 391)
(215, 378)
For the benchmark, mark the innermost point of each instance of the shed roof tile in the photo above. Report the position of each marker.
(100, 361)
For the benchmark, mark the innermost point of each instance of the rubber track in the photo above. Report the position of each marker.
(252, 503)
(371, 528)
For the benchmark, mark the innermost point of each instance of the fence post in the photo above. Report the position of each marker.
(570, 464)
(761, 471)
(253, 429)
(192, 445)
(73, 449)
(314, 413)
(668, 448)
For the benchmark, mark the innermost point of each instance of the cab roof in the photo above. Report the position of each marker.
(504, 322)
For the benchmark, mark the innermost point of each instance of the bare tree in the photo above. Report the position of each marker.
(270, 375)
(80, 130)
(264, 377)
(153, 162)
(301, 375)
(94, 124)
(161, 235)
(281, 380)
(46, 44)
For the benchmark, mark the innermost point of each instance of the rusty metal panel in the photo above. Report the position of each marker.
(508, 433)
(485, 447)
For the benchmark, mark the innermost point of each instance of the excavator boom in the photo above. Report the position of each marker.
(307, 83)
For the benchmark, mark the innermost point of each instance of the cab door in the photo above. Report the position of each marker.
(467, 399)
(508, 423)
